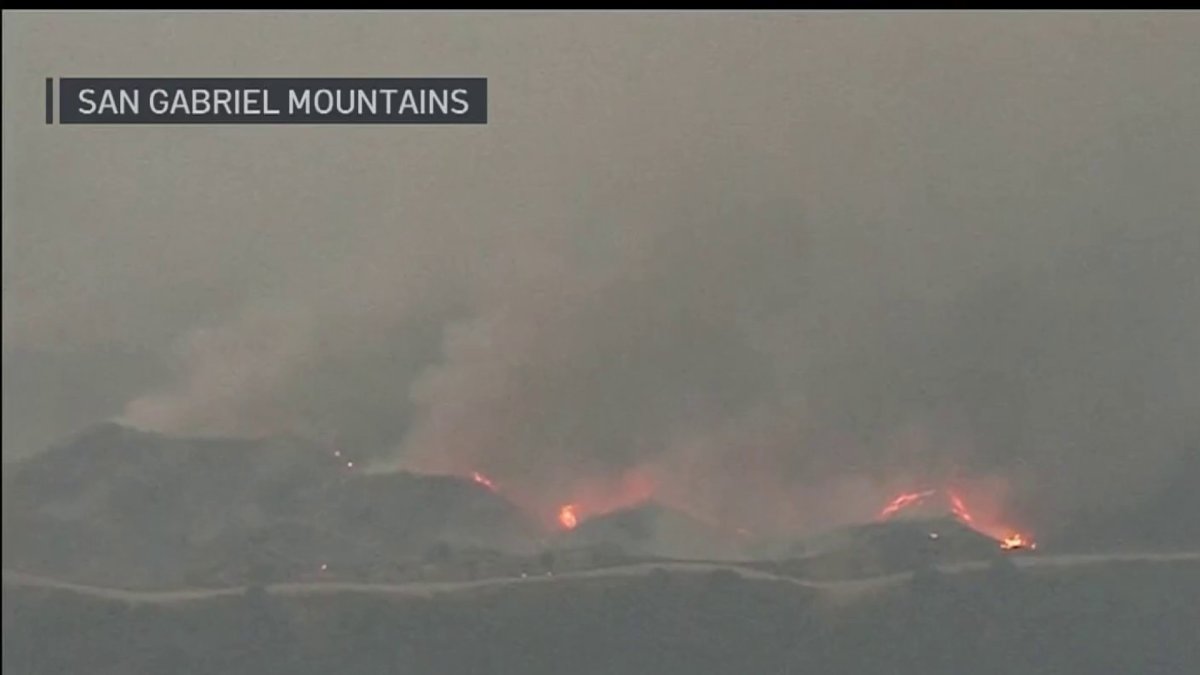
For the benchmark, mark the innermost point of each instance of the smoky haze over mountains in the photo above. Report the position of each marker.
(775, 267)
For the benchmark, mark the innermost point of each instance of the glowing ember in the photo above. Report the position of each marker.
(483, 480)
(567, 517)
(903, 501)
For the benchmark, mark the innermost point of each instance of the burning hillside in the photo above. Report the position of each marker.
(627, 511)
(616, 509)
(934, 503)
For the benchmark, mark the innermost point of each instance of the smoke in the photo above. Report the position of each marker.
(779, 276)
(718, 363)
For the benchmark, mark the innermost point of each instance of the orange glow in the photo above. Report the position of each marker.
(1016, 541)
(567, 517)
(483, 480)
(983, 523)
(596, 496)
(903, 501)
(960, 509)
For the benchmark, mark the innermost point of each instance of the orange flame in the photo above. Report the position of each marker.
(1015, 541)
(903, 501)
(567, 517)
(960, 509)
(1008, 539)
(483, 480)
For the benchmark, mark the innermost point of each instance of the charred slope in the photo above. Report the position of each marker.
(122, 507)
(896, 545)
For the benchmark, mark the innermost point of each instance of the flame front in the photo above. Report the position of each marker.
(1008, 539)
(567, 517)
(903, 501)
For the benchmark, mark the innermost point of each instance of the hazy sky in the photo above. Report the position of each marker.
(825, 252)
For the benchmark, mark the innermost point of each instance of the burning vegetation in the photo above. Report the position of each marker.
(591, 499)
(902, 502)
(1016, 541)
(567, 517)
(1007, 538)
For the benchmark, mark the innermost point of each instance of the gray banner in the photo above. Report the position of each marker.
(437, 100)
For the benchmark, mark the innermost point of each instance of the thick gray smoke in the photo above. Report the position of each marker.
(775, 267)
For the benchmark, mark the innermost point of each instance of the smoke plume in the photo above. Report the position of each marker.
(771, 271)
